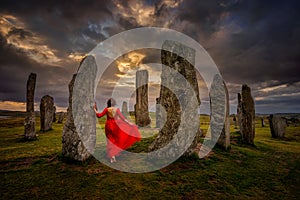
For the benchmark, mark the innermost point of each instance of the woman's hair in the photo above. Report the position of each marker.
(111, 102)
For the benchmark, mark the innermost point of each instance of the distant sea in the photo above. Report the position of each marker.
(4, 117)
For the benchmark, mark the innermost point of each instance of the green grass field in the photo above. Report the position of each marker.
(36, 169)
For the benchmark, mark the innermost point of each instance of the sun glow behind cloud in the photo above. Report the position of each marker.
(130, 63)
(237, 39)
(14, 106)
(121, 77)
(76, 56)
(141, 13)
(145, 14)
(21, 106)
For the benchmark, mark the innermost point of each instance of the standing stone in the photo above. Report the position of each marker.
(125, 109)
(71, 144)
(60, 116)
(142, 117)
(262, 122)
(29, 123)
(54, 113)
(277, 126)
(79, 132)
(239, 109)
(46, 112)
(246, 115)
(219, 103)
(234, 122)
(179, 97)
(158, 114)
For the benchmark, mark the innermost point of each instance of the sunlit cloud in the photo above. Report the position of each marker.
(12, 105)
(129, 62)
(10, 19)
(145, 14)
(31, 44)
(269, 89)
(76, 56)
(138, 11)
(21, 106)
(283, 95)
(238, 40)
(260, 98)
(172, 3)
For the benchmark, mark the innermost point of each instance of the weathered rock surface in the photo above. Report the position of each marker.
(54, 113)
(179, 97)
(239, 109)
(277, 126)
(142, 117)
(46, 112)
(234, 122)
(79, 133)
(29, 123)
(60, 117)
(159, 114)
(262, 122)
(219, 104)
(246, 115)
(125, 109)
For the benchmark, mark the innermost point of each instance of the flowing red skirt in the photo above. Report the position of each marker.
(120, 136)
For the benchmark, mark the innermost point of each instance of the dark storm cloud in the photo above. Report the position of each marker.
(15, 68)
(65, 27)
(279, 104)
(204, 15)
(264, 45)
(74, 13)
(254, 42)
(61, 22)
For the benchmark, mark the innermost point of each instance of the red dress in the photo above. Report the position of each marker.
(119, 134)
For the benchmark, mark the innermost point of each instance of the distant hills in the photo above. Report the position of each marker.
(15, 113)
(22, 114)
(286, 115)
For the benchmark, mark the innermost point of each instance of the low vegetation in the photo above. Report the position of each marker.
(36, 169)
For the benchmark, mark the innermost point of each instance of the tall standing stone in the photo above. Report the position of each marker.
(29, 124)
(246, 115)
(234, 122)
(54, 113)
(79, 132)
(262, 122)
(60, 117)
(158, 114)
(125, 109)
(46, 112)
(142, 117)
(239, 109)
(179, 97)
(277, 126)
(219, 103)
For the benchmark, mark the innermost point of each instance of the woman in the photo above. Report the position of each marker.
(120, 133)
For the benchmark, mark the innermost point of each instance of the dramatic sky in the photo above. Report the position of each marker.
(252, 42)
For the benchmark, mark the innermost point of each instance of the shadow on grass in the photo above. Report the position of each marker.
(236, 139)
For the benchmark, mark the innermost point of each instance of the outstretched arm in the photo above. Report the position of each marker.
(100, 114)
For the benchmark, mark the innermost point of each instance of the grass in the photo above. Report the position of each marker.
(36, 169)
